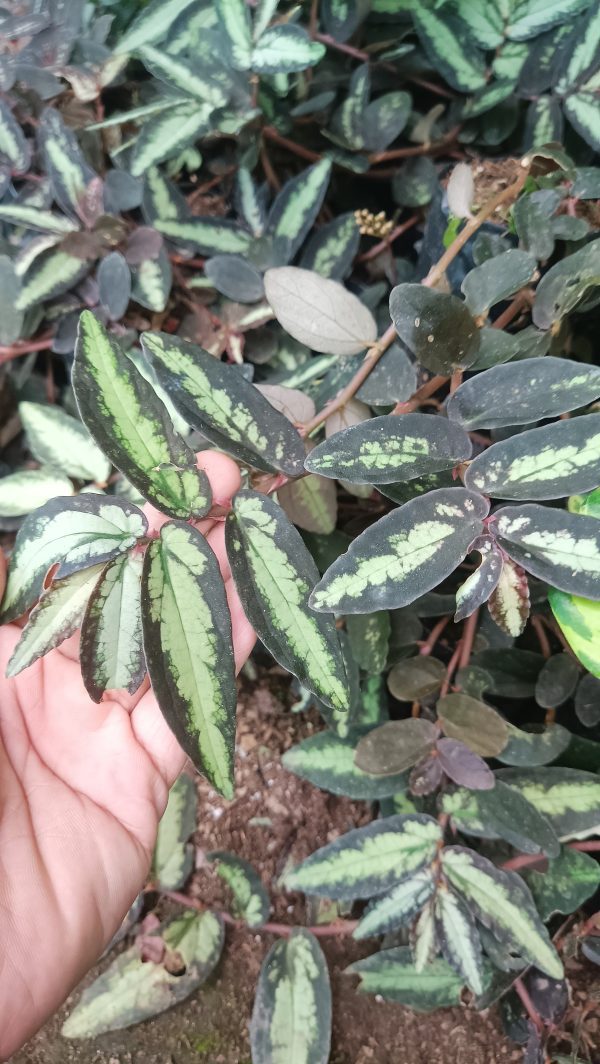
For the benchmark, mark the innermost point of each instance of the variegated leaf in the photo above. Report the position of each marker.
(111, 651)
(567, 883)
(556, 546)
(319, 312)
(370, 860)
(522, 392)
(14, 146)
(57, 615)
(215, 398)
(543, 463)
(151, 24)
(64, 161)
(75, 533)
(501, 813)
(209, 236)
(404, 554)
(503, 903)
(131, 424)
(173, 857)
(20, 214)
(274, 573)
(392, 974)
(56, 438)
(579, 619)
(437, 328)
(205, 81)
(132, 990)
(529, 18)
(327, 761)
(162, 199)
(369, 636)
(50, 274)
(234, 17)
(564, 285)
(397, 908)
(296, 207)
(251, 901)
(285, 49)
(458, 938)
(331, 249)
(567, 797)
(389, 449)
(509, 602)
(291, 1019)
(188, 648)
(534, 748)
(27, 489)
(168, 133)
(449, 48)
(151, 282)
(482, 583)
(423, 938)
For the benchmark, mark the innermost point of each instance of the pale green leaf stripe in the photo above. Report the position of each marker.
(173, 859)
(75, 532)
(397, 908)
(112, 657)
(502, 901)
(207, 235)
(274, 573)
(152, 283)
(51, 274)
(327, 761)
(67, 168)
(581, 109)
(392, 974)
(184, 75)
(131, 990)
(369, 860)
(285, 49)
(118, 119)
(584, 55)
(56, 438)
(214, 398)
(126, 417)
(298, 204)
(235, 18)
(556, 546)
(162, 199)
(568, 797)
(331, 249)
(291, 1019)
(54, 619)
(447, 51)
(543, 463)
(152, 24)
(27, 489)
(404, 554)
(460, 940)
(34, 218)
(250, 897)
(13, 143)
(390, 450)
(189, 653)
(168, 133)
(529, 19)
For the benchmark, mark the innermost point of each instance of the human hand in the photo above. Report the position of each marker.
(82, 788)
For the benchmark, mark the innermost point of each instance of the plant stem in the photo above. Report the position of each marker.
(422, 393)
(434, 147)
(521, 299)
(284, 142)
(24, 348)
(434, 635)
(370, 361)
(338, 927)
(376, 250)
(528, 1005)
(505, 195)
(538, 627)
(469, 633)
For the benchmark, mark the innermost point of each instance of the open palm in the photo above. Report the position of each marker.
(82, 788)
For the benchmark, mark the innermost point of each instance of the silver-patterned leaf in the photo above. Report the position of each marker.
(27, 489)
(458, 938)
(173, 857)
(56, 438)
(111, 651)
(251, 900)
(556, 546)
(481, 583)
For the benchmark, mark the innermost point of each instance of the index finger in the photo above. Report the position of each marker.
(225, 479)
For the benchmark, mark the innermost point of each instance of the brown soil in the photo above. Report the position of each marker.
(275, 819)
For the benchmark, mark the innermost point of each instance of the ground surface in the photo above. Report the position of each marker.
(276, 818)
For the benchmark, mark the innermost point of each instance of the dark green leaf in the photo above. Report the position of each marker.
(291, 1019)
(151, 282)
(234, 17)
(530, 17)
(164, 136)
(435, 327)
(501, 812)
(557, 681)
(511, 673)
(532, 748)
(384, 119)
(235, 278)
(404, 554)
(206, 81)
(274, 574)
(415, 182)
(369, 860)
(502, 902)
(449, 48)
(395, 746)
(570, 880)
(152, 23)
(542, 463)
(76, 533)
(567, 797)
(111, 652)
(20, 214)
(412, 489)
(114, 285)
(392, 974)
(389, 449)
(544, 123)
(477, 725)
(331, 249)
(50, 274)
(565, 284)
(392, 380)
(522, 392)
(214, 398)
(556, 546)
(173, 858)
(132, 990)
(188, 648)
(496, 279)
(14, 146)
(587, 701)
(327, 761)
(209, 236)
(131, 424)
(251, 901)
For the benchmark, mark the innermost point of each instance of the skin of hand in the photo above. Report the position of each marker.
(82, 788)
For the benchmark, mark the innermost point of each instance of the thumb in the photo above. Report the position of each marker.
(3, 568)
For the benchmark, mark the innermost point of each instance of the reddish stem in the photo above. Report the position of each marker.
(24, 348)
(338, 927)
(433, 636)
(543, 640)
(384, 244)
(420, 395)
(469, 633)
(528, 1005)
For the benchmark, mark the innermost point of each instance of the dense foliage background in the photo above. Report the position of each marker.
(274, 183)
